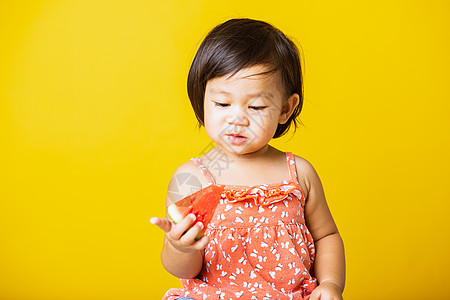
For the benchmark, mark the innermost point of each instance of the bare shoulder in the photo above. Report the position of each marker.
(186, 180)
(187, 167)
(306, 173)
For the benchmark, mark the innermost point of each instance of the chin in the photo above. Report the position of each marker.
(240, 149)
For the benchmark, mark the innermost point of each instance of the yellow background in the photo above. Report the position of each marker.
(94, 118)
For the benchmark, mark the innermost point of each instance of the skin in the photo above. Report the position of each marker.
(251, 105)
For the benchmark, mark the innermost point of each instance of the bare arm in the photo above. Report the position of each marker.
(329, 267)
(330, 263)
(182, 254)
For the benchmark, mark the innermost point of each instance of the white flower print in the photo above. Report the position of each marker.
(292, 251)
(221, 294)
(239, 294)
(278, 267)
(247, 238)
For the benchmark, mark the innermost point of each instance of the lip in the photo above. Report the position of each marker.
(236, 138)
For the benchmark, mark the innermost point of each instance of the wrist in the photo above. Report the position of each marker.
(176, 250)
(332, 282)
(180, 263)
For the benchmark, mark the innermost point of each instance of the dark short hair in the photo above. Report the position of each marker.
(241, 43)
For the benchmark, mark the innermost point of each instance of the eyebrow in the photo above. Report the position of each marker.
(259, 94)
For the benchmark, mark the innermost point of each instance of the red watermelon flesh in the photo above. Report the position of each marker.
(201, 203)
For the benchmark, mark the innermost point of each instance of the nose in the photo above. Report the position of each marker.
(237, 117)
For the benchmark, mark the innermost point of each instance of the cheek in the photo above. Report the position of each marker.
(272, 118)
(212, 123)
(206, 115)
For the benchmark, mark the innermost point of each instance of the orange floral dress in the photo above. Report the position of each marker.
(260, 247)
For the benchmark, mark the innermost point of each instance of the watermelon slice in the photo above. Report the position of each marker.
(201, 203)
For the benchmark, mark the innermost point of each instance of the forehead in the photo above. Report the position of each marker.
(252, 81)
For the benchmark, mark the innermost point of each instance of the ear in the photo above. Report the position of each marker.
(288, 108)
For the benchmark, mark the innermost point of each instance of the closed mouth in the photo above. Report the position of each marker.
(236, 139)
(236, 135)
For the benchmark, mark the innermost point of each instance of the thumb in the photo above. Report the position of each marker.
(164, 224)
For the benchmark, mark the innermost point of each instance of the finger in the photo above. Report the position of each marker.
(189, 237)
(164, 224)
(180, 228)
(202, 243)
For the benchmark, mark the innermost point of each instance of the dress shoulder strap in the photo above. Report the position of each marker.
(204, 170)
(291, 166)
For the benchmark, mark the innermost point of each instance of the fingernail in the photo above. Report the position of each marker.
(200, 224)
(192, 217)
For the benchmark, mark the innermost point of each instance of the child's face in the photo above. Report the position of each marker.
(242, 112)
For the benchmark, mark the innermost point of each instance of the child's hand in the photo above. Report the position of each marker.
(327, 290)
(182, 236)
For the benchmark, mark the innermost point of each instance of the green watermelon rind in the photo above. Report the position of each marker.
(176, 216)
(197, 203)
